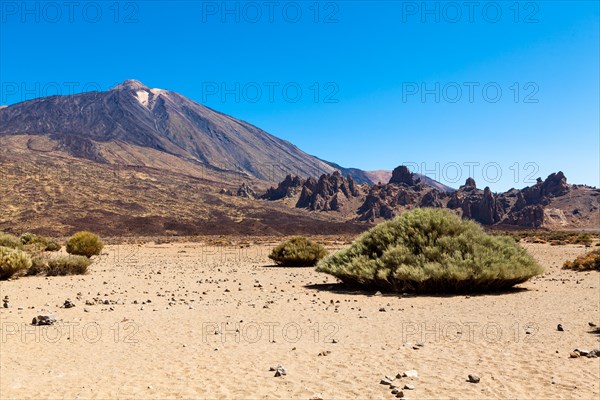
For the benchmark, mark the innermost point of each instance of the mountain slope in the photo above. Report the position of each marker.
(96, 125)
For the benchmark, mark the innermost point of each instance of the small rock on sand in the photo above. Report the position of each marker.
(43, 319)
(411, 373)
(474, 378)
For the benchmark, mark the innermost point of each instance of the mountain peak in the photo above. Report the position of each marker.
(131, 84)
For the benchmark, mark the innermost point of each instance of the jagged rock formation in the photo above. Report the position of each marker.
(541, 204)
(287, 188)
(329, 193)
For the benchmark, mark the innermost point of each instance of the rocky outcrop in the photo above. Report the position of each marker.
(289, 187)
(402, 175)
(246, 191)
(531, 216)
(527, 207)
(329, 193)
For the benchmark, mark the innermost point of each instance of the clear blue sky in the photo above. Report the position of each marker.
(370, 62)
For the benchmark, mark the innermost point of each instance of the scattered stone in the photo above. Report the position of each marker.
(591, 324)
(560, 328)
(582, 352)
(382, 309)
(409, 386)
(334, 341)
(574, 354)
(378, 293)
(474, 378)
(68, 304)
(411, 373)
(44, 319)
(280, 371)
(386, 381)
(400, 394)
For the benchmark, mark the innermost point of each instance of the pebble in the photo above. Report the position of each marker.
(474, 378)
(560, 328)
(591, 324)
(411, 373)
(582, 352)
(43, 319)
(68, 304)
(386, 381)
(280, 371)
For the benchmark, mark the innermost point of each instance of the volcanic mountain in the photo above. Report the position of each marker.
(133, 124)
(140, 161)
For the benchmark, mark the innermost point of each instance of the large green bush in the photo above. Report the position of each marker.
(68, 265)
(12, 261)
(298, 252)
(432, 250)
(8, 240)
(84, 244)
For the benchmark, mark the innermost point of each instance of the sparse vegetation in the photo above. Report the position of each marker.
(68, 265)
(555, 238)
(46, 243)
(587, 262)
(13, 261)
(432, 250)
(84, 244)
(11, 241)
(39, 264)
(298, 252)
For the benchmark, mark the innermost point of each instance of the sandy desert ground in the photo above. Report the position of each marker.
(187, 320)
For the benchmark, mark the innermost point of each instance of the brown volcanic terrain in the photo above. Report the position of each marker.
(57, 194)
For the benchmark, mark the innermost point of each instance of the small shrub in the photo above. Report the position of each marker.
(298, 252)
(587, 262)
(12, 261)
(39, 265)
(68, 265)
(11, 241)
(432, 250)
(46, 243)
(582, 239)
(84, 244)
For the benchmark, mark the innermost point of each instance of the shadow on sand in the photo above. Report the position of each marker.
(346, 288)
(290, 267)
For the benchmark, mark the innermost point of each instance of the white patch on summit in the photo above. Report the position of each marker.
(156, 92)
(142, 97)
